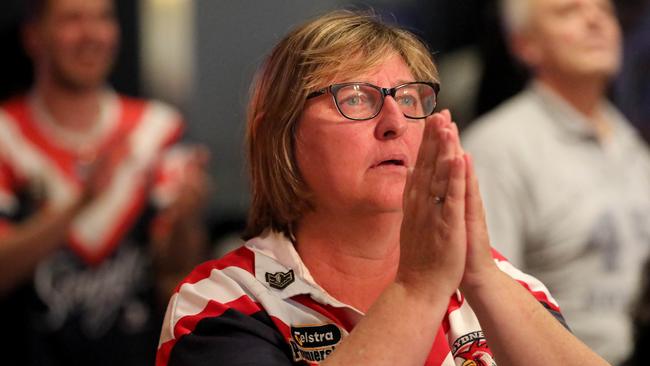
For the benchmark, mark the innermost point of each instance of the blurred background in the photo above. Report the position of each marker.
(201, 55)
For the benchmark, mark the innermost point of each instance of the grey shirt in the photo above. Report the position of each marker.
(568, 208)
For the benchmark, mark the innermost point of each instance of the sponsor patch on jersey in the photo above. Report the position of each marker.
(472, 350)
(314, 343)
(280, 280)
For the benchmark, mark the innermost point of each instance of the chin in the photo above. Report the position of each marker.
(89, 80)
(382, 209)
(82, 77)
(599, 64)
(606, 72)
(390, 201)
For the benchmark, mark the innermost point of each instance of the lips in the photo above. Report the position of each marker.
(398, 160)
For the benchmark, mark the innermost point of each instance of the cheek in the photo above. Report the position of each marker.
(558, 49)
(332, 159)
(110, 35)
(68, 34)
(557, 36)
(326, 154)
(614, 32)
(560, 41)
(63, 44)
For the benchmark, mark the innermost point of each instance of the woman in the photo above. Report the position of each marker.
(366, 220)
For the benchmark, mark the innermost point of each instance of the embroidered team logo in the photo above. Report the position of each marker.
(471, 350)
(314, 342)
(280, 280)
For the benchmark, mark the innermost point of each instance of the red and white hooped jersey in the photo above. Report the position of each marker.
(259, 305)
(47, 163)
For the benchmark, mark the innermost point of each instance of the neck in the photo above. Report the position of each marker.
(585, 94)
(352, 258)
(73, 109)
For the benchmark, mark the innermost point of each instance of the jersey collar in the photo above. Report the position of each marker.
(276, 259)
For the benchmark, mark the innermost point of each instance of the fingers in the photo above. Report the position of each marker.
(418, 178)
(194, 188)
(453, 211)
(479, 253)
(440, 144)
(96, 170)
(473, 197)
(440, 173)
(477, 232)
(450, 178)
(200, 156)
(440, 178)
(454, 127)
(429, 148)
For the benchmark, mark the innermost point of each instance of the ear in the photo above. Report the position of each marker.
(526, 49)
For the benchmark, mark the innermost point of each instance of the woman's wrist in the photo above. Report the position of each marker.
(475, 285)
(424, 288)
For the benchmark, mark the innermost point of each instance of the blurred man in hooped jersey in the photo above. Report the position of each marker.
(566, 179)
(99, 213)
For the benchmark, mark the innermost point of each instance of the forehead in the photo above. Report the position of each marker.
(390, 66)
(56, 7)
(556, 4)
(393, 69)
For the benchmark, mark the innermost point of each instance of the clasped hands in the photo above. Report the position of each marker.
(191, 187)
(444, 242)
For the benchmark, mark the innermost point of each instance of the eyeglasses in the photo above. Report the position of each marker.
(363, 101)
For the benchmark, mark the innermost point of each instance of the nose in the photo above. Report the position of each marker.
(391, 121)
(595, 16)
(592, 17)
(99, 27)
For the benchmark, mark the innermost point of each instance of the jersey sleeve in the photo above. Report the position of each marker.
(533, 285)
(212, 320)
(231, 338)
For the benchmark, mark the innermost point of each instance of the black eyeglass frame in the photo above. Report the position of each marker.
(334, 88)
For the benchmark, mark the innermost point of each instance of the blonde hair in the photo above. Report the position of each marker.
(339, 44)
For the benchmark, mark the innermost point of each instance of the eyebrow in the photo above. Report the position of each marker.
(402, 81)
(399, 82)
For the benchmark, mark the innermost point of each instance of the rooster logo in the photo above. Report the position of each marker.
(475, 352)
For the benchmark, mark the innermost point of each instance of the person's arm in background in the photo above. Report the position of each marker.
(179, 239)
(24, 244)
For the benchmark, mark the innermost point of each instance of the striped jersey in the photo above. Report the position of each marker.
(260, 305)
(95, 295)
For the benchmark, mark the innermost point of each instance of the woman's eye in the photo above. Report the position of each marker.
(407, 100)
(355, 99)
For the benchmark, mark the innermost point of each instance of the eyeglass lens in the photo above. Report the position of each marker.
(362, 101)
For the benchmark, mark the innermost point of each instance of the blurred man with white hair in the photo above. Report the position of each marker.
(565, 177)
